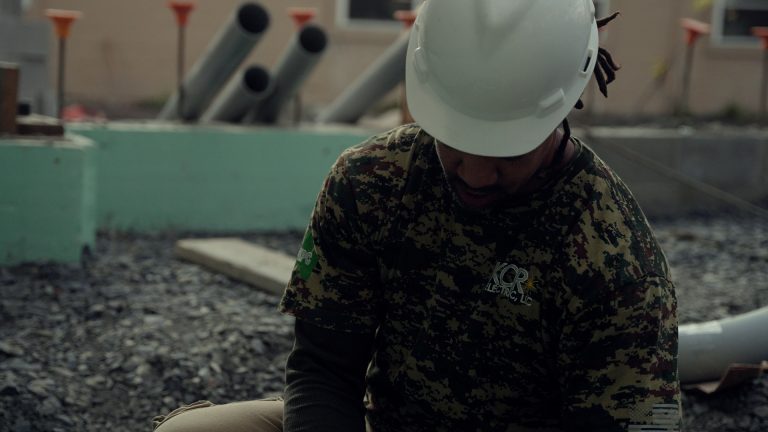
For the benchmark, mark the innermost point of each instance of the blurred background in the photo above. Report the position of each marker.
(130, 127)
(122, 55)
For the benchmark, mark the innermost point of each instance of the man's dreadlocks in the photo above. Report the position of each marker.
(605, 68)
(605, 73)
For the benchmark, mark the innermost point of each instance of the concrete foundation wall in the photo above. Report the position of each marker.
(665, 168)
(187, 178)
(153, 178)
(47, 193)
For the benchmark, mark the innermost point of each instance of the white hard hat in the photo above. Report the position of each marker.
(496, 77)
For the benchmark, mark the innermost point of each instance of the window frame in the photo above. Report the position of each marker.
(343, 20)
(718, 18)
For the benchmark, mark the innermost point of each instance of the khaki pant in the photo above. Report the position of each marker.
(203, 416)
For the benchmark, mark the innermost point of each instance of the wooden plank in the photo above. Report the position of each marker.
(9, 91)
(261, 267)
(35, 124)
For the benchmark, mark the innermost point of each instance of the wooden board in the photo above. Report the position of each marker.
(264, 268)
(35, 124)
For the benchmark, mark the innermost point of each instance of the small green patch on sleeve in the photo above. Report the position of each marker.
(307, 258)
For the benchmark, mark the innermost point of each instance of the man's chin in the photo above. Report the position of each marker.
(477, 202)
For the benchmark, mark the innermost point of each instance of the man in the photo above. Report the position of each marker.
(480, 270)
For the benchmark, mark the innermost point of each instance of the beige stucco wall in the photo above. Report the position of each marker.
(647, 37)
(122, 52)
(125, 51)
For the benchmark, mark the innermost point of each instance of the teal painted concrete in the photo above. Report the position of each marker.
(155, 177)
(47, 191)
(195, 178)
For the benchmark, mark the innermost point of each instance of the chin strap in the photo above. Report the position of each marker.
(544, 171)
(563, 144)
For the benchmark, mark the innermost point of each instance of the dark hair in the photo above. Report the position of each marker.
(605, 73)
(605, 68)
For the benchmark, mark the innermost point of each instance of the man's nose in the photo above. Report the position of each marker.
(478, 171)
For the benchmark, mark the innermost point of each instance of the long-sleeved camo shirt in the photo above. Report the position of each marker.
(555, 312)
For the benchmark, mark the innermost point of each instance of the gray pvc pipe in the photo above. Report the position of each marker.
(290, 72)
(223, 56)
(707, 349)
(379, 79)
(10, 8)
(241, 93)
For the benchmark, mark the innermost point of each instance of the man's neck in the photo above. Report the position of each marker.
(549, 166)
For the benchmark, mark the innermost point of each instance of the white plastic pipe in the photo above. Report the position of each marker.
(10, 8)
(300, 58)
(707, 349)
(243, 92)
(378, 80)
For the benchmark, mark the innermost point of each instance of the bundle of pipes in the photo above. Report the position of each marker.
(223, 56)
(258, 96)
(254, 95)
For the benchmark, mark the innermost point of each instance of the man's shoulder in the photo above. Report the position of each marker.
(385, 158)
(392, 146)
(603, 192)
(611, 230)
(594, 193)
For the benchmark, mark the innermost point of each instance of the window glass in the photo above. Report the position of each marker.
(739, 22)
(380, 10)
(732, 21)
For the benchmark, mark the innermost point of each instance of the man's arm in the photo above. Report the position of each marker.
(325, 380)
(618, 360)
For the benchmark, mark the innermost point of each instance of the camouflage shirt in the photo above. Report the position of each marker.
(553, 313)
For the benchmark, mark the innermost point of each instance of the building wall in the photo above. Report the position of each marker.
(647, 40)
(124, 52)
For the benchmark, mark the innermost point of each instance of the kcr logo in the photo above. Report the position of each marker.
(305, 257)
(507, 280)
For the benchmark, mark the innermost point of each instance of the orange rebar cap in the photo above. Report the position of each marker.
(181, 9)
(693, 29)
(302, 15)
(762, 33)
(62, 20)
(407, 17)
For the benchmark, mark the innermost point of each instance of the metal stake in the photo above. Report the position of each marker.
(62, 20)
(181, 10)
(180, 73)
(764, 90)
(693, 30)
(60, 85)
(686, 80)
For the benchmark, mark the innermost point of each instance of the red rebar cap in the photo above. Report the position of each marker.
(407, 17)
(181, 9)
(302, 15)
(693, 29)
(762, 33)
(62, 20)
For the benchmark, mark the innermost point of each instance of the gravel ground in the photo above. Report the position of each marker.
(134, 332)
